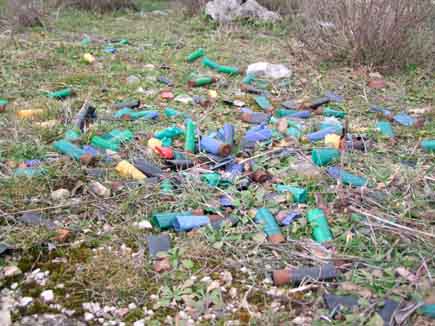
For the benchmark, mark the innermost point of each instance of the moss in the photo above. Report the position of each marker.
(134, 315)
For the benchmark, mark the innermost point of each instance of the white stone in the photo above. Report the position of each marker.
(25, 301)
(133, 80)
(60, 194)
(132, 306)
(140, 322)
(144, 225)
(268, 70)
(228, 10)
(47, 296)
(10, 271)
(14, 286)
(88, 316)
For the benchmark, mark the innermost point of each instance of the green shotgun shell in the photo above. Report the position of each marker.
(201, 81)
(195, 55)
(164, 221)
(330, 112)
(61, 93)
(270, 225)
(104, 143)
(228, 70)
(428, 145)
(72, 135)
(385, 128)
(319, 223)
(263, 102)
(71, 150)
(190, 136)
(248, 79)
(207, 62)
(299, 194)
(166, 187)
(323, 156)
(428, 310)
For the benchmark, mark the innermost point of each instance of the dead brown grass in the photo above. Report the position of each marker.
(99, 5)
(382, 33)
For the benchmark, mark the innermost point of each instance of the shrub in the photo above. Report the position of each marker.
(192, 7)
(23, 13)
(98, 5)
(383, 33)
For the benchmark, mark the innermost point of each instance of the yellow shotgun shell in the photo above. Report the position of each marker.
(127, 170)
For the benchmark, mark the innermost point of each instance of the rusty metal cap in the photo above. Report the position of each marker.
(224, 150)
(86, 159)
(277, 238)
(281, 277)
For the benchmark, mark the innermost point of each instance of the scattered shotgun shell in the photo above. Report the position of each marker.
(164, 221)
(189, 222)
(89, 58)
(180, 164)
(30, 113)
(166, 187)
(286, 218)
(127, 170)
(299, 194)
(72, 151)
(270, 226)
(149, 169)
(153, 143)
(214, 146)
(228, 70)
(165, 80)
(86, 114)
(164, 152)
(3, 104)
(333, 140)
(324, 156)
(346, 177)
(254, 117)
(207, 62)
(428, 145)
(330, 112)
(190, 136)
(60, 94)
(320, 135)
(202, 81)
(319, 223)
(167, 95)
(72, 135)
(385, 129)
(170, 132)
(296, 276)
(316, 103)
(29, 172)
(227, 134)
(132, 104)
(427, 310)
(404, 119)
(263, 102)
(195, 55)
(248, 79)
(376, 83)
(250, 89)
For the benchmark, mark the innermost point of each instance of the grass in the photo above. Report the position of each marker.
(114, 277)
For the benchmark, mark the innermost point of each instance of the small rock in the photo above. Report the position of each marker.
(47, 296)
(132, 306)
(60, 194)
(14, 286)
(269, 70)
(133, 80)
(98, 189)
(149, 66)
(140, 322)
(162, 265)
(144, 225)
(88, 316)
(10, 271)
(233, 292)
(183, 98)
(25, 301)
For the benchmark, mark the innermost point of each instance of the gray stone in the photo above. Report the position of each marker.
(269, 70)
(48, 320)
(228, 10)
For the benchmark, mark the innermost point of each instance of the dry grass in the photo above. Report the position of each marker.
(99, 5)
(192, 7)
(24, 13)
(384, 33)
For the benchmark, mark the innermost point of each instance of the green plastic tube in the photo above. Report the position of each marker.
(69, 149)
(170, 132)
(428, 145)
(190, 136)
(330, 112)
(270, 225)
(61, 93)
(195, 55)
(324, 156)
(120, 136)
(294, 132)
(3, 102)
(212, 179)
(164, 221)
(319, 223)
(29, 172)
(171, 113)
(299, 194)
(385, 128)
(228, 70)
(281, 113)
(346, 177)
(207, 62)
(124, 41)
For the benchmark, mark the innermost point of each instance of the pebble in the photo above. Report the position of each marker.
(133, 79)
(88, 316)
(140, 322)
(14, 286)
(144, 225)
(47, 296)
(60, 194)
(10, 271)
(132, 306)
(25, 301)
